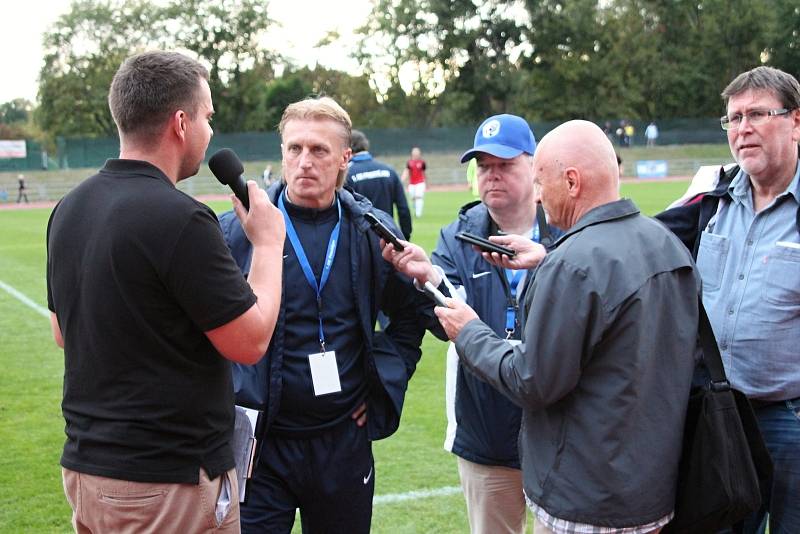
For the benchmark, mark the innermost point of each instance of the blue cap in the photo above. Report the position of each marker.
(505, 136)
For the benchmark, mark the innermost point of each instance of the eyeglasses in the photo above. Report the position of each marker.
(754, 117)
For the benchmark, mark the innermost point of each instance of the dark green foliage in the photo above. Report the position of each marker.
(784, 49)
(15, 119)
(432, 62)
(85, 47)
(558, 60)
(16, 111)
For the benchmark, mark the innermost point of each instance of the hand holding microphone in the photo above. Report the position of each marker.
(262, 221)
(228, 169)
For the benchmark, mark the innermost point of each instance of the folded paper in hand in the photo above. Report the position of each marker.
(244, 445)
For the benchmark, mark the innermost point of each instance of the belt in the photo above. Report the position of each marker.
(758, 403)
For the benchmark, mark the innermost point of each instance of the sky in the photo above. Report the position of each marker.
(304, 23)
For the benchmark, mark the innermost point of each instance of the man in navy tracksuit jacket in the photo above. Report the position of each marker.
(378, 182)
(329, 383)
(483, 425)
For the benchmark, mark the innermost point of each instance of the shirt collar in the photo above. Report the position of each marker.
(133, 166)
(794, 185)
(740, 188)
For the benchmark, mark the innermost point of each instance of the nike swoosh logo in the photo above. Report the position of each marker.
(369, 475)
(478, 275)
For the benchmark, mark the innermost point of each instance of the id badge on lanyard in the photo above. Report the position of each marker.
(324, 373)
(324, 369)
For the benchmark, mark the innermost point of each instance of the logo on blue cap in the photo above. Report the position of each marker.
(505, 136)
(491, 128)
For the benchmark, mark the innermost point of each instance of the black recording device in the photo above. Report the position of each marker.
(484, 244)
(379, 228)
(228, 169)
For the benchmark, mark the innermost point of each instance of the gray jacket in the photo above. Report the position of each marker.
(604, 370)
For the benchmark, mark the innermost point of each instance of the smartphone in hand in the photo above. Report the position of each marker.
(484, 244)
(379, 228)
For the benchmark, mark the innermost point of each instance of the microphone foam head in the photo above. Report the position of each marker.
(226, 166)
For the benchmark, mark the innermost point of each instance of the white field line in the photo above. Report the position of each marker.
(44, 312)
(392, 498)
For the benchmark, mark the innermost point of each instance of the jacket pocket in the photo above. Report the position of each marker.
(782, 285)
(711, 257)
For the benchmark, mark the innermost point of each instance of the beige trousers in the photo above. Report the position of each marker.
(495, 501)
(101, 505)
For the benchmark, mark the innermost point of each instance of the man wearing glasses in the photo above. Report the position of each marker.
(745, 236)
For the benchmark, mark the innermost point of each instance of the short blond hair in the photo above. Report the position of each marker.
(320, 108)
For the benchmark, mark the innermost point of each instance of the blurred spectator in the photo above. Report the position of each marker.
(267, 176)
(622, 139)
(472, 177)
(651, 134)
(22, 190)
(629, 133)
(414, 176)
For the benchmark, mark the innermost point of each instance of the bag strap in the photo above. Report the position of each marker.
(711, 356)
(545, 237)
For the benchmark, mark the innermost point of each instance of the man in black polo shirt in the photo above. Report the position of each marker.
(377, 181)
(149, 307)
(330, 384)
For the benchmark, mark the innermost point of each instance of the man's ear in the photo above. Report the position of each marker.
(572, 177)
(178, 124)
(348, 153)
(795, 125)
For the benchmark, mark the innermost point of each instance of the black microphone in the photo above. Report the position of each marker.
(228, 169)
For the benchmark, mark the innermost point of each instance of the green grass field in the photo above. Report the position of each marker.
(31, 426)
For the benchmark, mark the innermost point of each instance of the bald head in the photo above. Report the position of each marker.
(576, 169)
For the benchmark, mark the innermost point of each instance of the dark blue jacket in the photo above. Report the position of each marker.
(391, 356)
(381, 185)
(487, 422)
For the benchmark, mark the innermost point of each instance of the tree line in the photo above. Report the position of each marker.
(424, 62)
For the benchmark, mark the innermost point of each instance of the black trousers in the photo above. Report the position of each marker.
(329, 477)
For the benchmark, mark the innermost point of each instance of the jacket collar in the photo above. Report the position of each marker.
(361, 156)
(357, 205)
(474, 217)
(619, 209)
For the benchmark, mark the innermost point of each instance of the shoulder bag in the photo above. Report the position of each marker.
(725, 468)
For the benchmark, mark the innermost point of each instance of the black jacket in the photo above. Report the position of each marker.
(391, 356)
